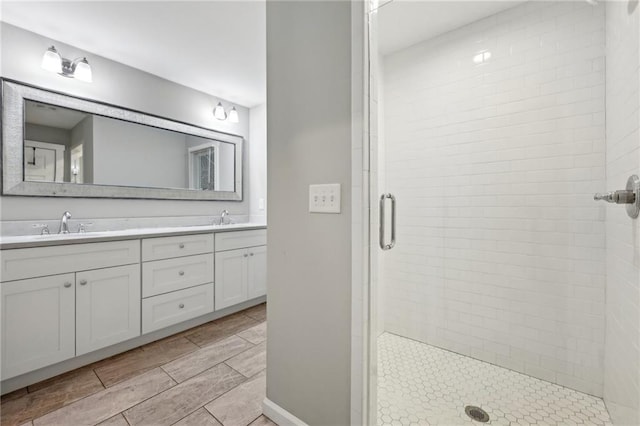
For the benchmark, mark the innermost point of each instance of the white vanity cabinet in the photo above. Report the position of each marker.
(177, 279)
(107, 307)
(57, 305)
(241, 267)
(257, 272)
(70, 303)
(38, 323)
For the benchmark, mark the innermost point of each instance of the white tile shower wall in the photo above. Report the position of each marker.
(500, 252)
(622, 347)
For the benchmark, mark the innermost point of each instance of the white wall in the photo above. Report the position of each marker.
(309, 261)
(622, 348)
(118, 84)
(258, 163)
(500, 252)
(82, 135)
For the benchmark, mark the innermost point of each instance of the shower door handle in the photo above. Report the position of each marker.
(383, 244)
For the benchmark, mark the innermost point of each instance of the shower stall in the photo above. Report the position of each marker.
(504, 290)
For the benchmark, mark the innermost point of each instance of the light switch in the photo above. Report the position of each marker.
(324, 198)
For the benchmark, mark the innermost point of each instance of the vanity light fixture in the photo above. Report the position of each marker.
(221, 114)
(233, 115)
(78, 68)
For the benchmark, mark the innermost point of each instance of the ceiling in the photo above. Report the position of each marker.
(52, 116)
(217, 47)
(403, 23)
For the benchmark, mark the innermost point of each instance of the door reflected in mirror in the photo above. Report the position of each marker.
(67, 145)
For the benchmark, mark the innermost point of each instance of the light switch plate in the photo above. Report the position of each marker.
(324, 198)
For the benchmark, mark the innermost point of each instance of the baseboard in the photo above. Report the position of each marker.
(279, 415)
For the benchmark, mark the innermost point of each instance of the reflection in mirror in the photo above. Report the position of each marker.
(66, 145)
(55, 145)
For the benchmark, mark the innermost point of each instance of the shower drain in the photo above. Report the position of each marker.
(476, 413)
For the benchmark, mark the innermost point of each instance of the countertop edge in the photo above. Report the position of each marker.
(122, 236)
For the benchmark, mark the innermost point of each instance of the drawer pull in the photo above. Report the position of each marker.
(181, 305)
(181, 245)
(83, 282)
(181, 273)
(67, 285)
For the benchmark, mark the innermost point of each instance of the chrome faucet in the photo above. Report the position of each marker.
(64, 223)
(224, 214)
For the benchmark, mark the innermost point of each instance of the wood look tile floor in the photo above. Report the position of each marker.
(210, 375)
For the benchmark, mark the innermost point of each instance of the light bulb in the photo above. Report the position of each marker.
(51, 60)
(82, 71)
(219, 112)
(233, 115)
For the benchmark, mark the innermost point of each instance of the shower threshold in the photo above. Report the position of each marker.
(419, 384)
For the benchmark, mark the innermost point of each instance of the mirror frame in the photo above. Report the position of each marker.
(14, 95)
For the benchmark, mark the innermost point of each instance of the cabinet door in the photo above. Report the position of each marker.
(38, 323)
(231, 278)
(107, 307)
(257, 274)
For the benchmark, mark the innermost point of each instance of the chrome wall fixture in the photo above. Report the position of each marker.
(630, 196)
(221, 114)
(79, 68)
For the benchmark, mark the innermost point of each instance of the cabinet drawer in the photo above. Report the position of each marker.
(182, 245)
(163, 276)
(40, 261)
(240, 239)
(171, 308)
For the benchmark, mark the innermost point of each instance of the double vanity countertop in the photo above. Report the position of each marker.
(28, 241)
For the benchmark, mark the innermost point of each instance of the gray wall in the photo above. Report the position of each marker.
(115, 83)
(154, 157)
(309, 259)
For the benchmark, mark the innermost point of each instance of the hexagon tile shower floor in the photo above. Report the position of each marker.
(419, 384)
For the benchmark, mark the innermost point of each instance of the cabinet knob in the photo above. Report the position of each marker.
(67, 285)
(181, 305)
(181, 245)
(83, 282)
(245, 255)
(181, 273)
(250, 254)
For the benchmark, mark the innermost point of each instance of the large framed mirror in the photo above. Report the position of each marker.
(62, 146)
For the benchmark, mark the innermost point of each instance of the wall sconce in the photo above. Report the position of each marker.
(233, 115)
(220, 113)
(78, 68)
